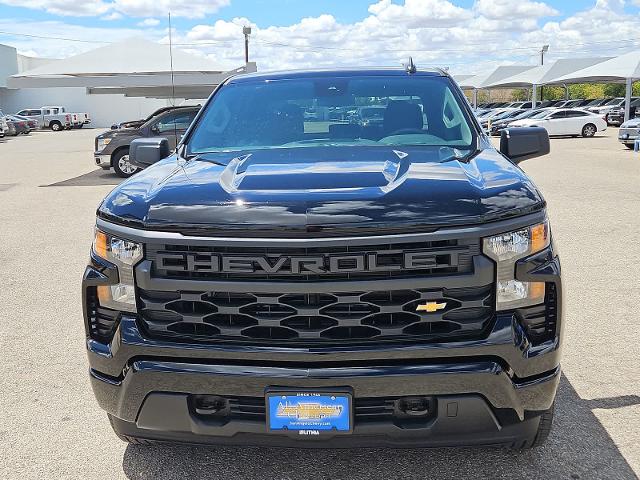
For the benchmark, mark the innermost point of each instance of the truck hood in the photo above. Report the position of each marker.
(335, 190)
(120, 132)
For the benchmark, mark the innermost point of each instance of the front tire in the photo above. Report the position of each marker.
(589, 130)
(55, 126)
(121, 164)
(127, 438)
(544, 429)
(629, 146)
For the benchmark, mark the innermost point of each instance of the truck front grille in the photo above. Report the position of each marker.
(317, 318)
(347, 262)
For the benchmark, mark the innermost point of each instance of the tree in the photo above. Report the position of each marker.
(586, 90)
(614, 90)
(520, 94)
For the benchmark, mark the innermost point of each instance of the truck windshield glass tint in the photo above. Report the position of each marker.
(325, 112)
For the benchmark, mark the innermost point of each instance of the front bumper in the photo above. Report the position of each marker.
(488, 390)
(103, 161)
(628, 137)
(166, 390)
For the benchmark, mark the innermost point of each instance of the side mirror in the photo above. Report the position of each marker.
(519, 144)
(144, 152)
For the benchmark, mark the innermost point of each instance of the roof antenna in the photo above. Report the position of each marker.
(410, 67)
(173, 84)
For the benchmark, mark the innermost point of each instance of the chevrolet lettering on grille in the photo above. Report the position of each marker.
(387, 261)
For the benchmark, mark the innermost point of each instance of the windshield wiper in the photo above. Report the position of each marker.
(199, 156)
(455, 154)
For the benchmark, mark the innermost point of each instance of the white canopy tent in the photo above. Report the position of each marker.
(461, 78)
(544, 74)
(134, 67)
(484, 80)
(625, 68)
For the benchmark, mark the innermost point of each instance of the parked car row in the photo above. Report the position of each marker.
(611, 109)
(557, 121)
(112, 146)
(55, 118)
(14, 125)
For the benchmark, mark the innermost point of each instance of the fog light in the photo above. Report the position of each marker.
(414, 406)
(515, 290)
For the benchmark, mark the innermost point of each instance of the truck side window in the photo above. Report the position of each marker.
(179, 121)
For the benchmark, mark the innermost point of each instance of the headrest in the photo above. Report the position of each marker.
(344, 130)
(401, 115)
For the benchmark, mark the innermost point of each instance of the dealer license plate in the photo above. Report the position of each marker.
(309, 413)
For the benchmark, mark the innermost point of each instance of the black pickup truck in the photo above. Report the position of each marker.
(292, 280)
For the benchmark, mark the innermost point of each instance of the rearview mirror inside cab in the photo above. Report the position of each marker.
(519, 144)
(144, 152)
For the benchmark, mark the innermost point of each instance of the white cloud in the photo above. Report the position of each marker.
(513, 11)
(434, 32)
(74, 8)
(132, 8)
(420, 13)
(149, 22)
(589, 32)
(161, 8)
(112, 16)
(32, 47)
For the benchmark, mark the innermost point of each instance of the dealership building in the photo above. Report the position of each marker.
(135, 81)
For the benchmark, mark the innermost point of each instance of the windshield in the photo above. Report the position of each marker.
(527, 114)
(615, 101)
(501, 115)
(414, 110)
(372, 113)
(509, 114)
(541, 114)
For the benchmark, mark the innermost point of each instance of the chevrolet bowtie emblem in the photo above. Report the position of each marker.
(431, 307)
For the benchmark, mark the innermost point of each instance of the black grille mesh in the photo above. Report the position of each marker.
(316, 318)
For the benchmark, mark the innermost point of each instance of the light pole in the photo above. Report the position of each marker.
(544, 50)
(247, 32)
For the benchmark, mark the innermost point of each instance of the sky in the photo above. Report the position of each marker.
(466, 36)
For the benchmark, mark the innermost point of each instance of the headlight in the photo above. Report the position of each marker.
(506, 249)
(103, 142)
(124, 254)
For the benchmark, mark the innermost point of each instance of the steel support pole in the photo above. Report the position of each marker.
(627, 100)
(534, 95)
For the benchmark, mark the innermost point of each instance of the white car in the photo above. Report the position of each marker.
(3, 125)
(565, 121)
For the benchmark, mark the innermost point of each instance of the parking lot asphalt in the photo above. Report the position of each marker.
(51, 427)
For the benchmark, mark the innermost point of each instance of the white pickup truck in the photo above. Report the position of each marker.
(56, 118)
